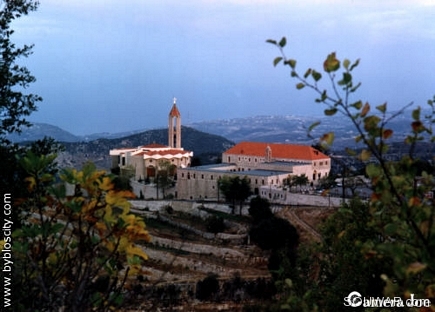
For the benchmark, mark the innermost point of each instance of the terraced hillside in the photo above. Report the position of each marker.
(183, 253)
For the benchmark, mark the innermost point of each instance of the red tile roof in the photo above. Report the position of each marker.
(155, 145)
(174, 111)
(279, 151)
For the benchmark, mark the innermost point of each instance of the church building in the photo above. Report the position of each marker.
(265, 165)
(145, 161)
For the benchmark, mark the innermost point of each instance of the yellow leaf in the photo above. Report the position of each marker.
(133, 250)
(328, 138)
(105, 184)
(32, 183)
(365, 155)
(415, 267)
(118, 199)
(108, 215)
(414, 201)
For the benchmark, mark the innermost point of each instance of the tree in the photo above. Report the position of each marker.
(164, 179)
(235, 189)
(300, 180)
(259, 209)
(401, 212)
(75, 251)
(14, 105)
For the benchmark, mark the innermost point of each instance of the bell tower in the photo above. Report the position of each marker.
(174, 130)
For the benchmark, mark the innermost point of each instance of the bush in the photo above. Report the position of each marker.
(207, 288)
(259, 209)
(274, 233)
(215, 224)
(74, 251)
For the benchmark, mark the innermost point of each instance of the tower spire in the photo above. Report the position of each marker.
(174, 130)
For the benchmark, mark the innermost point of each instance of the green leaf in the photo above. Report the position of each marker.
(355, 88)
(316, 75)
(346, 63)
(331, 111)
(357, 105)
(300, 85)
(291, 62)
(313, 125)
(354, 65)
(350, 151)
(277, 60)
(283, 42)
(307, 73)
(347, 78)
(382, 108)
(373, 170)
(390, 229)
(271, 41)
(416, 114)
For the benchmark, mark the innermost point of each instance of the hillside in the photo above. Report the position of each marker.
(207, 147)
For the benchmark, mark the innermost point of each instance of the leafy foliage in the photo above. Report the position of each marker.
(215, 224)
(77, 248)
(207, 288)
(14, 105)
(401, 210)
(235, 189)
(259, 209)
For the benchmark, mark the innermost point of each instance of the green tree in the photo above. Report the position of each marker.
(325, 272)
(400, 210)
(14, 105)
(259, 209)
(165, 177)
(299, 180)
(235, 190)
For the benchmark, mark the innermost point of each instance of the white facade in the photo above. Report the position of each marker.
(264, 165)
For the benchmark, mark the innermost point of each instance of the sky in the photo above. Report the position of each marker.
(114, 66)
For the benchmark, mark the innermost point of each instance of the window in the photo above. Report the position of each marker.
(211, 177)
(202, 176)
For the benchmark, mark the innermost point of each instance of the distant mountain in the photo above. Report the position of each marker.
(207, 147)
(294, 129)
(40, 130)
